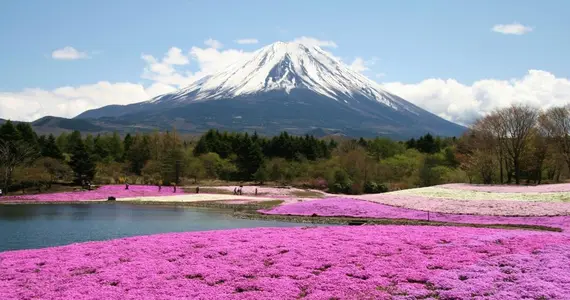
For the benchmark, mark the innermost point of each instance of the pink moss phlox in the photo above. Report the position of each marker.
(366, 262)
(346, 207)
(102, 193)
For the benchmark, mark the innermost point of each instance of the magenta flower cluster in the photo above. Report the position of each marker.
(346, 207)
(366, 262)
(102, 193)
(544, 188)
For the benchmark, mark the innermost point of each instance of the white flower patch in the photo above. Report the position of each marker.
(446, 193)
(195, 198)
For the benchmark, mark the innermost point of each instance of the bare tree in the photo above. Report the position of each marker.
(555, 122)
(14, 154)
(491, 136)
(518, 121)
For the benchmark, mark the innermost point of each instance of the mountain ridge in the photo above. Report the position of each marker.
(281, 86)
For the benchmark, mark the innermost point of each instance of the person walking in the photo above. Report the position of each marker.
(197, 190)
(174, 189)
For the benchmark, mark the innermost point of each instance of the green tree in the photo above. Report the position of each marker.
(14, 154)
(81, 163)
(139, 153)
(193, 168)
(9, 133)
(50, 148)
(62, 142)
(262, 174)
(27, 134)
(115, 146)
(249, 158)
(127, 143)
(90, 144)
(212, 163)
(73, 140)
(382, 148)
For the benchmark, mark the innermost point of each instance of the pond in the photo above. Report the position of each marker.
(37, 225)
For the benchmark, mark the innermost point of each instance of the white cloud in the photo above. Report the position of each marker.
(447, 98)
(174, 56)
(360, 65)
(213, 43)
(465, 103)
(68, 53)
(513, 28)
(164, 73)
(309, 41)
(247, 41)
(32, 104)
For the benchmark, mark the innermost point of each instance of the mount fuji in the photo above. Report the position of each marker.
(281, 87)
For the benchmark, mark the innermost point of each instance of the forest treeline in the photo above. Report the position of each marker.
(515, 144)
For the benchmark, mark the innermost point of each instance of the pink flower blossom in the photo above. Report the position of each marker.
(366, 262)
(102, 193)
(344, 207)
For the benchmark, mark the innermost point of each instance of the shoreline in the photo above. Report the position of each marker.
(249, 211)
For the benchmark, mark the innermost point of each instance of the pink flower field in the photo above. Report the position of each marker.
(346, 207)
(366, 262)
(545, 188)
(102, 193)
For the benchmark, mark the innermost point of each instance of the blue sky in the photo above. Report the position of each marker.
(402, 43)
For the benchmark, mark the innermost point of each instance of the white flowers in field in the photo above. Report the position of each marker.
(194, 198)
(463, 194)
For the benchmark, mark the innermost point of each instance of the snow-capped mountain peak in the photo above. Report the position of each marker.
(286, 66)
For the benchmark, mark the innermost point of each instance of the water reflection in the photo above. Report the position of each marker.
(36, 226)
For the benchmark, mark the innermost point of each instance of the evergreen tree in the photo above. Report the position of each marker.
(81, 163)
(73, 141)
(90, 144)
(27, 134)
(115, 146)
(62, 142)
(127, 143)
(139, 153)
(101, 149)
(249, 158)
(9, 133)
(50, 148)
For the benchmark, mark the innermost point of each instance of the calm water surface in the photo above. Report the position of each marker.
(38, 226)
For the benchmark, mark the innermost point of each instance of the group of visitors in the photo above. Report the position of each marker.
(87, 184)
(239, 191)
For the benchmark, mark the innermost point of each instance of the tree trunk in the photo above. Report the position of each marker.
(501, 168)
(517, 170)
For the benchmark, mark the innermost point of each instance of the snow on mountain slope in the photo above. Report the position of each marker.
(285, 66)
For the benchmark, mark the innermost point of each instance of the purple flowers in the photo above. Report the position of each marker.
(378, 262)
(345, 207)
(102, 193)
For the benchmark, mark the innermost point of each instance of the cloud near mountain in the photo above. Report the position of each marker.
(447, 98)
